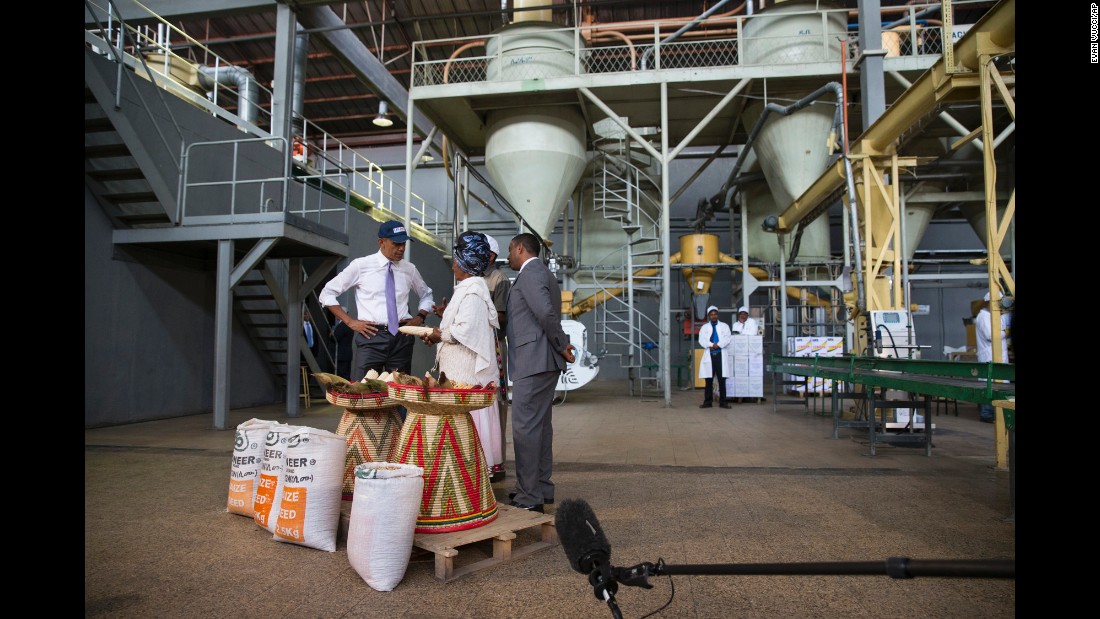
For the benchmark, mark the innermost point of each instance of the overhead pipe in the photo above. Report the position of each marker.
(248, 91)
(688, 26)
(627, 26)
(629, 44)
(529, 10)
(298, 97)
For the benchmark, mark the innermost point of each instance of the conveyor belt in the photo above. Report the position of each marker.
(969, 382)
(959, 380)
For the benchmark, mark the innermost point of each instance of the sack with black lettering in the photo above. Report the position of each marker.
(308, 509)
(383, 521)
(271, 474)
(244, 474)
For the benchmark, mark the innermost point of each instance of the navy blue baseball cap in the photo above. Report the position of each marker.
(394, 231)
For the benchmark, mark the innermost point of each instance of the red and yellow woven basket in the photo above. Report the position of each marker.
(440, 401)
(371, 437)
(360, 401)
(458, 494)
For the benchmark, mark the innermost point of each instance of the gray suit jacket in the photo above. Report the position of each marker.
(535, 336)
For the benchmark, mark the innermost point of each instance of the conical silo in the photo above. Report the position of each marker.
(974, 212)
(534, 154)
(760, 202)
(793, 150)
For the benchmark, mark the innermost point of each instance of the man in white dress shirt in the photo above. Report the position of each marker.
(378, 344)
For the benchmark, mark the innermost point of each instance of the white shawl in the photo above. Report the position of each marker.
(471, 318)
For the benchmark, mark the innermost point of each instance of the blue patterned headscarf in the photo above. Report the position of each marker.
(472, 252)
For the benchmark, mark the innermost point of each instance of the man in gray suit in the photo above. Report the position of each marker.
(538, 350)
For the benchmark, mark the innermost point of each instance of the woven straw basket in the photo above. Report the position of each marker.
(361, 401)
(371, 437)
(458, 494)
(440, 401)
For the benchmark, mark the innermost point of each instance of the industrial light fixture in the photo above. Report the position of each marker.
(381, 120)
(427, 157)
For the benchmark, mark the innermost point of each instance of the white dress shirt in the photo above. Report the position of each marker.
(749, 327)
(368, 276)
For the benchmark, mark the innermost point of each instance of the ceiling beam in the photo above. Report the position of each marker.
(357, 58)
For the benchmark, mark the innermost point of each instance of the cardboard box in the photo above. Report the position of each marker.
(756, 366)
(740, 346)
(798, 346)
(741, 366)
(756, 344)
(818, 346)
(742, 387)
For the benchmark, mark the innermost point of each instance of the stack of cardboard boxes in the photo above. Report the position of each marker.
(748, 367)
(814, 347)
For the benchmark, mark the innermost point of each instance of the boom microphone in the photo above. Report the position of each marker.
(581, 537)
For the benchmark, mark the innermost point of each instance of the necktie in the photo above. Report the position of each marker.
(309, 334)
(391, 300)
(714, 332)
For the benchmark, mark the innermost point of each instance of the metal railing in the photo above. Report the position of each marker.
(236, 196)
(716, 42)
(326, 160)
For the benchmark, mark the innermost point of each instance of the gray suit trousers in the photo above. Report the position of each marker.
(533, 436)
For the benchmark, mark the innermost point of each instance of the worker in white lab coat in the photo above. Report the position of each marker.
(716, 338)
(745, 325)
(983, 332)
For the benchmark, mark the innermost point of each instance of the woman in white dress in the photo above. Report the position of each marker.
(467, 338)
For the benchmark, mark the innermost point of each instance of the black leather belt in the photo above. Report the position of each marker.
(400, 323)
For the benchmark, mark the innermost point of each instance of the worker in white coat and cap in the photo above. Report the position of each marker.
(745, 325)
(983, 332)
(716, 338)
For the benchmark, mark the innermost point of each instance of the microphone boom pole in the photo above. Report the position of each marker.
(894, 567)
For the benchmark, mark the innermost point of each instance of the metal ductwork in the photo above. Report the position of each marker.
(298, 98)
(248, 90)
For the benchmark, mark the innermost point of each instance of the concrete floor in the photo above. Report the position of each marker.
(687, 485)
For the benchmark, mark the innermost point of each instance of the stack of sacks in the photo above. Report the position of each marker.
(244, 473)
(307, 506)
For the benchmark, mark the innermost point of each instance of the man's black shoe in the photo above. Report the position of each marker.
(724, 406)
(705, 405)
(530, 508)
(512, 496)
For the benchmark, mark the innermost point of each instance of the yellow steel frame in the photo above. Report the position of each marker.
(971, 75)
(996, 227)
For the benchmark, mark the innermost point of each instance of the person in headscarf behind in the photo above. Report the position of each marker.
(467, 338)
(715, 338)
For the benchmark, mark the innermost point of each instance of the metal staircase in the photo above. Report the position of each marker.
(622, 194)
(132, 194)
(260, 310)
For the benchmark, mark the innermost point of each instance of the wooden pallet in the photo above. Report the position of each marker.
(502, 531)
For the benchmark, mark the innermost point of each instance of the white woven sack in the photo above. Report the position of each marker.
(308, 509)
(271, 475)
(244, 472)
(383, 521)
